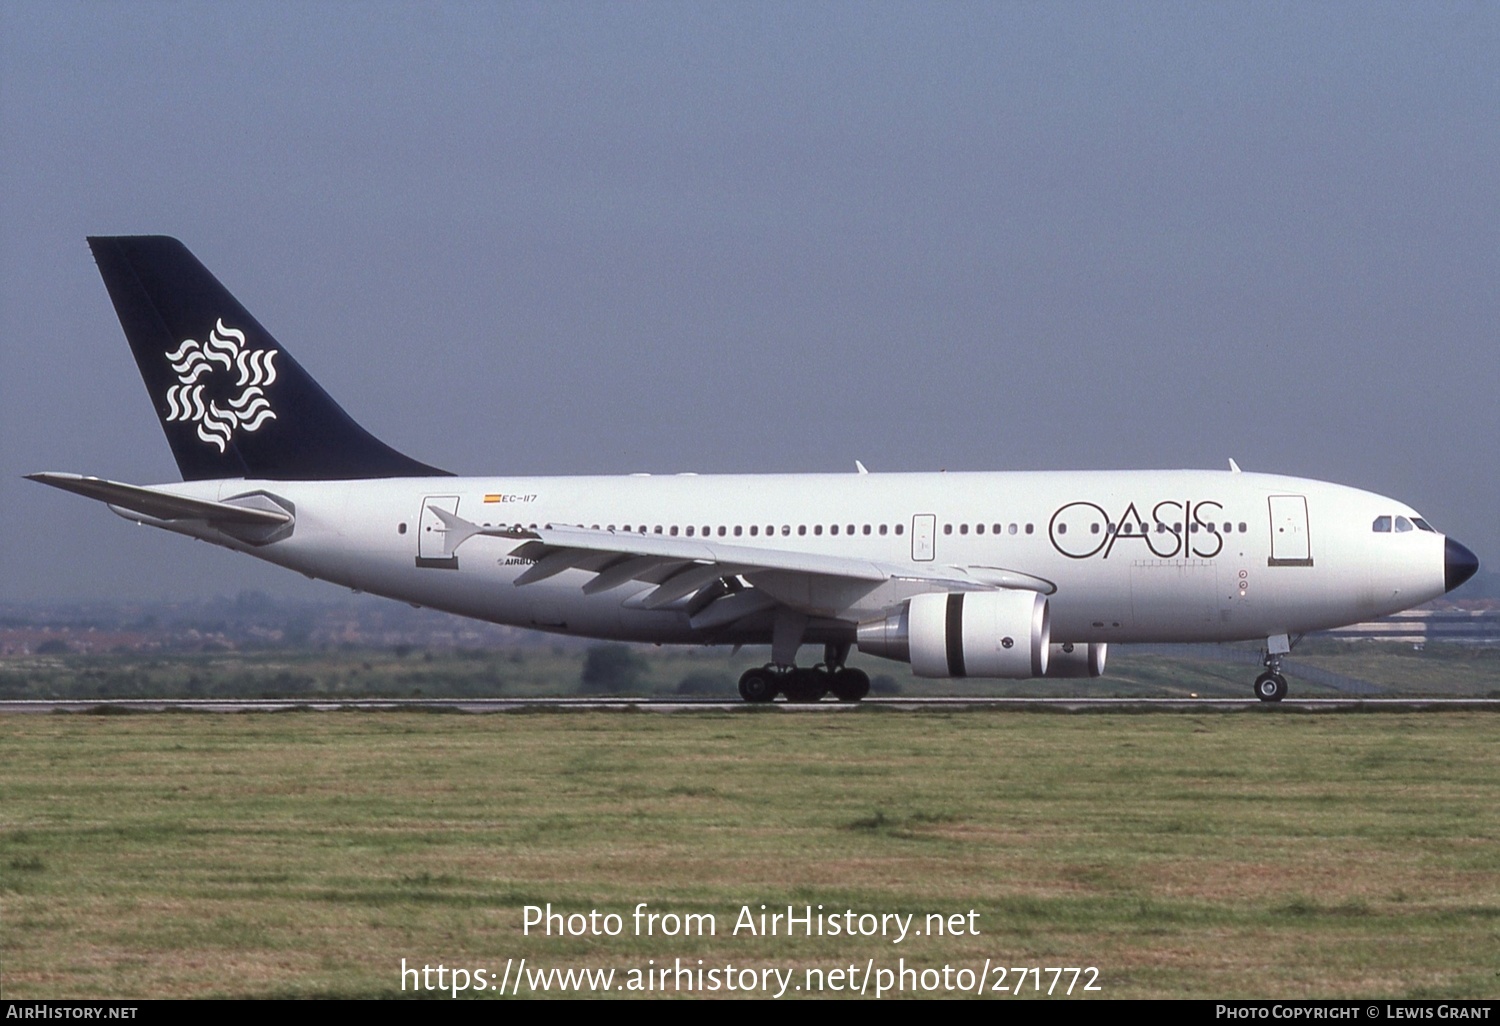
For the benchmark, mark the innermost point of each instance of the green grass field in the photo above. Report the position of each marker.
(1249, 855)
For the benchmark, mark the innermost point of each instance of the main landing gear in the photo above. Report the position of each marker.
(804, 684)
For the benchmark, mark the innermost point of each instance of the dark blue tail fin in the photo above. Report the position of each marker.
(232, 402)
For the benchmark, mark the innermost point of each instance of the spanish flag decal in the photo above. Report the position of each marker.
(493, 497)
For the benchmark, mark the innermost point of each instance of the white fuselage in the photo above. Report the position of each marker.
(1224, 556)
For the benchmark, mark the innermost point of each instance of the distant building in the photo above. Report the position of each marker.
(1476, 625)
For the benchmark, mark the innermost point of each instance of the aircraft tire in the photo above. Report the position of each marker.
(758, 685)
(850, 685)
(805, 685)
(1270, 687)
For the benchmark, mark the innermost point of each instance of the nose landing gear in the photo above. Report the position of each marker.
(1271, 685)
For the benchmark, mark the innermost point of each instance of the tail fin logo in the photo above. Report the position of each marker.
(242, 406)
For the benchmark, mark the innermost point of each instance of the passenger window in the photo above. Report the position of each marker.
(1243, 528)
(882, 529)
(867, 529)
(900, 528)
(721, 532)
(947, 528)
(833, 528)
(978, 528)
(1013, 528)
(802, 530)
(754, 530)
(1403, 525)
(689, 530)
(998, 528)
(817, 528)
(674, 530)
(737, 530)
(786, 529)
(1029, 528)
(1382, 525)
(963, 528)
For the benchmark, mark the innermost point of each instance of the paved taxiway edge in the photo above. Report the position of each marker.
(657, 705)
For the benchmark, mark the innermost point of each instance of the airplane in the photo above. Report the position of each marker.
(961, 575)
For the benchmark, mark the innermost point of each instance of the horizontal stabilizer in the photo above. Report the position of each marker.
(457, 530)
(161, 505)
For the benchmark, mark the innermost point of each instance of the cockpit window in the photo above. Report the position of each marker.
(1422, 524)
(1403, 524)
(1382, 525)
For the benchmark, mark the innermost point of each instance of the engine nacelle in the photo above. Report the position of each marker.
(1083, 659)
(966, 634)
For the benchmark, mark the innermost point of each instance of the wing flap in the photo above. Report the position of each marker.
(629, 569)
(731, 608)
(687, 582)
(554, 563)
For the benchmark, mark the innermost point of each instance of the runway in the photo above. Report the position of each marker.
(127, 706)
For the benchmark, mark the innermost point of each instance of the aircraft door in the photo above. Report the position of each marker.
(431, 534)
(1290, 544)
(923, 536)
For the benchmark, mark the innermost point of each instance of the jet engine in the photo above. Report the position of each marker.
(966, 634)
(1084, 659)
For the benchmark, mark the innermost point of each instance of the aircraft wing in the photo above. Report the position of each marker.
(681, 567)
(162, 505)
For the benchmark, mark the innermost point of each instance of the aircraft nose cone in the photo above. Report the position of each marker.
(1459, 564)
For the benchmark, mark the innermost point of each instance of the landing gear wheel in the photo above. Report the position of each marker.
(850, 685)
(758, 685)
(1270, 687)
(805, 685)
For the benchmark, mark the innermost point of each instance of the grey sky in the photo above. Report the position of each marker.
(553, 238)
